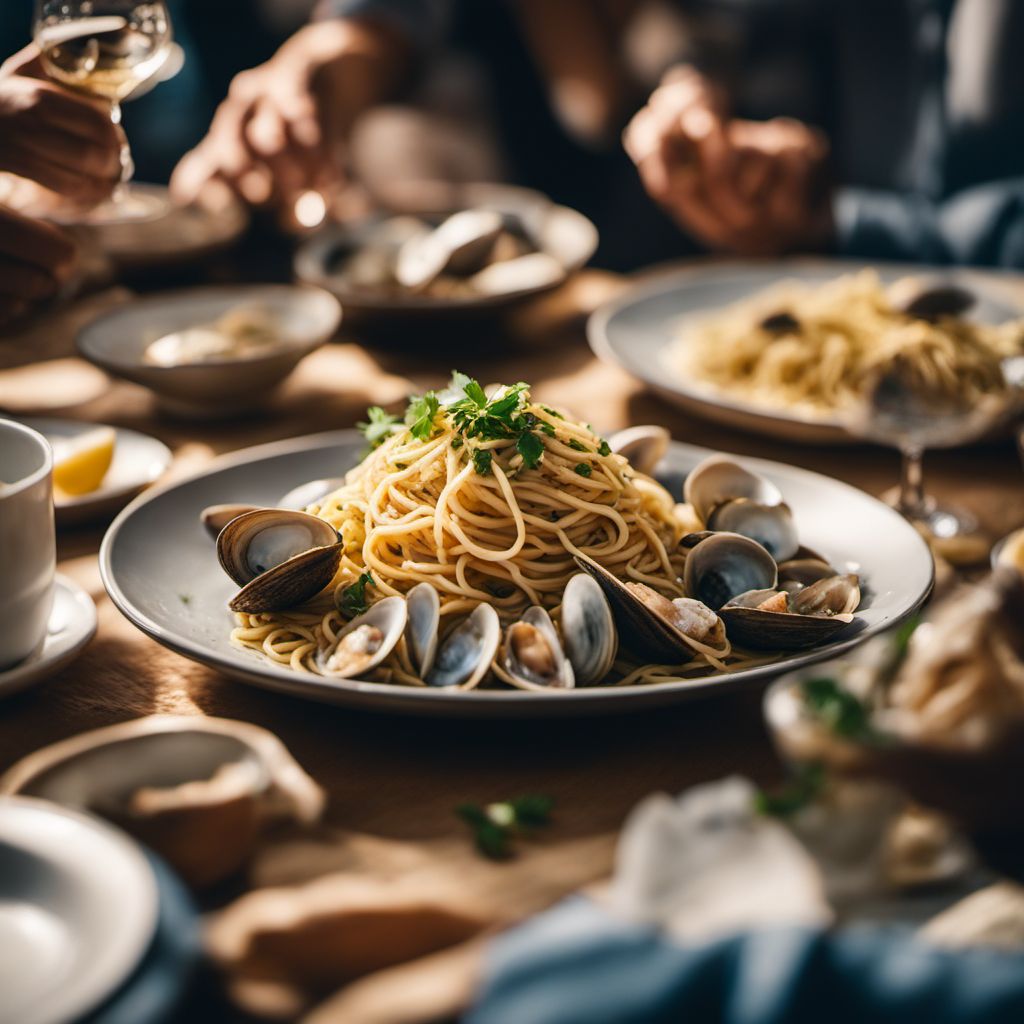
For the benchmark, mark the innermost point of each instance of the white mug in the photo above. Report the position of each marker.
(28, 552)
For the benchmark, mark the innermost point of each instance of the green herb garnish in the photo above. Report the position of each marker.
(552, 412)
(457, 443)
(531, 447)
(583, 468)
(379, 427)
(419, 416)
(838, 709)
(801, 791)
(604, 448)
(353, 598)
(577, 446)
(496, 825)
(185, 598)
(482, 461)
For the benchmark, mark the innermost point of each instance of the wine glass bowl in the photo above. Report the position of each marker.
(106, 49)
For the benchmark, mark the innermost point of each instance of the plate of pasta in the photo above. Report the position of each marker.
(481, 553)
(787, 348)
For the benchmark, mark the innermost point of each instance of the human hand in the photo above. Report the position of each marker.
(54, 137)
(36, 258)
(753, 188)
(283, 127)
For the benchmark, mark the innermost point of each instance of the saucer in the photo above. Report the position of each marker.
(72, 626)
(139, 460)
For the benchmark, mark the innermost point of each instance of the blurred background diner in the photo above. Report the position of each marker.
(450, 567)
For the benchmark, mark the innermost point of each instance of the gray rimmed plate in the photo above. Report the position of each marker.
(637, 331)
(159, 567)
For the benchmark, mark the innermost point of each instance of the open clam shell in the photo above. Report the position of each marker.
(215, 517)
(588, 629)
(366, 641)
(642, 446)
(817, 613)
(465, 655)
(198, 790)
(423, 607)
(459, 245)
(719, 479)
(771, 526)
(278, 557)
(644, 632)
(532, 655)
(725, 565)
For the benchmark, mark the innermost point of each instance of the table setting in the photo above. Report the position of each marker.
(405, 619)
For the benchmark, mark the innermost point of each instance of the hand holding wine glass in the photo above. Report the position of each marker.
(104, 49)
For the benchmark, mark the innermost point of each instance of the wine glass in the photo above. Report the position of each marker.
(107, 49)
(901, 408)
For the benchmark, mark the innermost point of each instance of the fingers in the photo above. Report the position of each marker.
(35, 243)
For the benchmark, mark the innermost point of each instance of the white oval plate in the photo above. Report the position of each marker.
(139, 460)
(72, 625)
(159, 567)
(637, 331)
(78, 909)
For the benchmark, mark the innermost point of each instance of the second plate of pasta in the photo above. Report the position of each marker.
(781, 348)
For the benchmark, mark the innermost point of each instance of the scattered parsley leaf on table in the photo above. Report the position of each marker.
(496, 825)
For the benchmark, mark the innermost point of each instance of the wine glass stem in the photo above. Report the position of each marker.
(127, 164)
(911, 500)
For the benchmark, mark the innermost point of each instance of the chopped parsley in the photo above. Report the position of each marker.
(577, 446)
(801, 791)
(552, 412)
(838, 709)
(604, 448)
(379, 426)
(482, 461)
(419, 417)
(583, 468)
(496, 825)
(531, 447)
(353, 600)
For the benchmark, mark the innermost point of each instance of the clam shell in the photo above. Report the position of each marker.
(563, 679)
(293, 565)
(465, 655)
(389, 616)
(423, 606)
(771, 526)
(301, 497)
(719, 479)
(804, 571)
(725, 565)
(215, 517)
(643, 446)
(780, 631)
(588, 629)
(459, 245)
(930, 299)
(646, 634)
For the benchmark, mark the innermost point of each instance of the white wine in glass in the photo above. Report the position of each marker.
(107, 49)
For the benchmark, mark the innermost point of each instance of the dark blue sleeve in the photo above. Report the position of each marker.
(577, 965)
(983, 225)
(422, 22)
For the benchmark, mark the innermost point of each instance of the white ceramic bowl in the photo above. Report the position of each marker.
(117, 341)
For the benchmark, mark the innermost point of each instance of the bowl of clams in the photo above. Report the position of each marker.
(484, 249)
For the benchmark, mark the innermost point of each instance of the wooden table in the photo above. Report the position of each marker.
(393, 782)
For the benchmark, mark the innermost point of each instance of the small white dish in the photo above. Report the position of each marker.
(117, 342)
(78, 909)
(139, 460)
(72, 625)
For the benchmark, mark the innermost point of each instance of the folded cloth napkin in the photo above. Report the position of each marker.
(577, 964)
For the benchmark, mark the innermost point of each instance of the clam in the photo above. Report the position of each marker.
(459, 246)
(643, 447)
(771, 526)
(780, 322)
(523, 273)
(653, 626)
(278, 557)
(301, 497)
(464, 656)
(215, 517)
(726, 565)
(588, 630)
(774, 620)
(532, 655)
(423, 608)
(930, 299)
(365, 641)
(719, 479)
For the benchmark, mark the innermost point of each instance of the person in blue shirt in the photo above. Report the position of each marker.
(871, 128)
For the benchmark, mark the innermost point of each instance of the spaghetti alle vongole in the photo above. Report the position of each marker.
(815, 348)
(453, 553)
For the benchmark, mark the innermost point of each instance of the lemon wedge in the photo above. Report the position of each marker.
(81, 463)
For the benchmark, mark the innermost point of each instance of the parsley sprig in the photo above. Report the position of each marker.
(496, 825)
(379, 426)
(353, 600)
